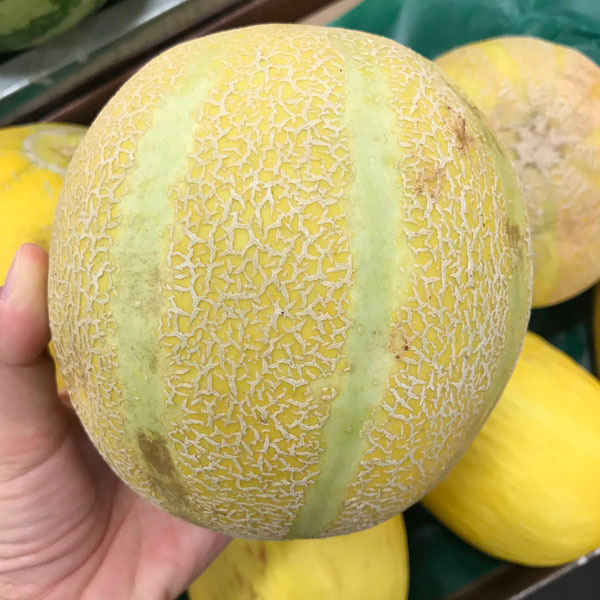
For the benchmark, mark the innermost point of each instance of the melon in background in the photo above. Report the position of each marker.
(33, 163)
(543, 101)
(596, 327)
(369, 564)
(289, 278)
(26, 23)
(528, 488)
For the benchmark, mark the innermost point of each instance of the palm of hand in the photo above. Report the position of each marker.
(68, 527)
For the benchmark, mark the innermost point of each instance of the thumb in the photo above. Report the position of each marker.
(30, 411)
(24, 329)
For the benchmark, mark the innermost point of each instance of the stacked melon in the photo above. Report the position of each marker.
(25, 23)
(290, 278)
(542, 101)
(33, 163)
(368, 564)
(532, 472)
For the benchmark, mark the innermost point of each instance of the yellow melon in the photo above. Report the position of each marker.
(527, 490)
(543, 102)
(289, 277)
(369, 564)
(596, 326)
(33, 163)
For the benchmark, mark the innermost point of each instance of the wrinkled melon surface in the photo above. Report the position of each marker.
(290, 276)
(543, 101)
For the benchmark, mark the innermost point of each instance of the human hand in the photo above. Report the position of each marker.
(69, 528)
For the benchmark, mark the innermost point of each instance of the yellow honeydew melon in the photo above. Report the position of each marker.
(33, 163)
(290, 276)
(528, 488)
(543, 101)
(369, 564)
(596, 326)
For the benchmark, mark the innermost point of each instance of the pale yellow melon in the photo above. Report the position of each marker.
(370, 564)
(528, 488)
(543, 101)
(290, 276)
(596, 326)
(33, 163)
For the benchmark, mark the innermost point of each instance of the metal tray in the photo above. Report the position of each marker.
(71, 78)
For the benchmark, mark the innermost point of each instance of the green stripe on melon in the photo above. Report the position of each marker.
(289, 275)
(25, 23)
(378, 282)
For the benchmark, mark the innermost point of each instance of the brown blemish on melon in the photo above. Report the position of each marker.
(156, 453)
(515, 236)
(397, 343)
(430, 181)
(163, 474)
(460, 129)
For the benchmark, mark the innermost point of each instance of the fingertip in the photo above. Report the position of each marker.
(24, 328)
(35, 254)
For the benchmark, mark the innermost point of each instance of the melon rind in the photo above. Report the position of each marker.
(367, 564)
(33, 163)
(542, 100)
(531, 497)
(290, 276)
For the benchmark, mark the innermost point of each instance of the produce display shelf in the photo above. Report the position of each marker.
(71, 77)
(58, 83)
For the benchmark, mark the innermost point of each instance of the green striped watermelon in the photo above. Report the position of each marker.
(25, 23)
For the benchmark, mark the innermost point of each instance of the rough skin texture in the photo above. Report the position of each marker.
(532, 498)
(543, 102)
(290, 275)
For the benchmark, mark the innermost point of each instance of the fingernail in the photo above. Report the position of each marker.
(11, 277)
